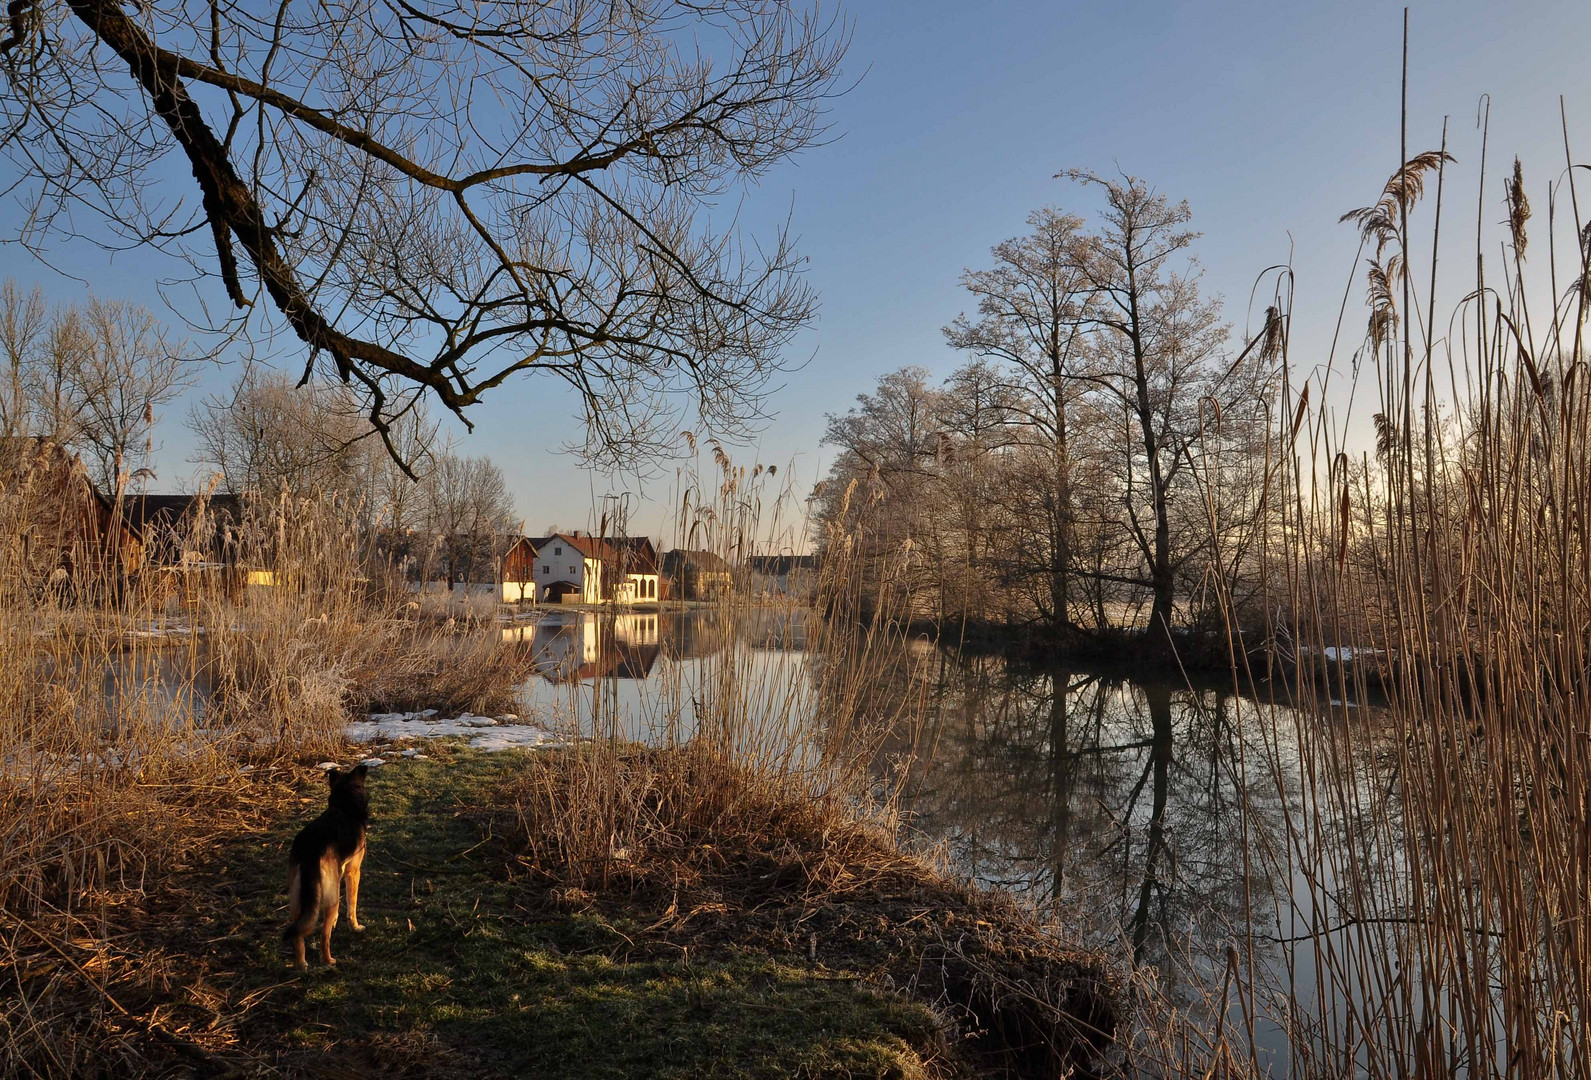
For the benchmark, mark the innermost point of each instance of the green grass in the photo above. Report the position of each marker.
(460, 972)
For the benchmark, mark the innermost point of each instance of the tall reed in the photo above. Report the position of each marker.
(1439, 556)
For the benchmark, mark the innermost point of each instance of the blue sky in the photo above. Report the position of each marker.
(1271, 119)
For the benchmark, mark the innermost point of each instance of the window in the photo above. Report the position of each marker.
(545, 569)
(573, 570)
(557, 551)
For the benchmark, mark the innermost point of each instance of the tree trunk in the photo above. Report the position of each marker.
(1160, 576)
(1164, 583)
(1061, 551)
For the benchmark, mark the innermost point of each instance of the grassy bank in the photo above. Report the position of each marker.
(789, 955)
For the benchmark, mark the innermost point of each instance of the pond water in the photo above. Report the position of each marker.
(642, 674)
(1162, 823)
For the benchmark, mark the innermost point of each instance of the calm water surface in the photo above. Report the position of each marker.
(1150, 818)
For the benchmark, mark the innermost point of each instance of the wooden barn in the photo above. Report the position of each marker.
(71, 541)
(518, 574)
(182, 530)
(193, 543)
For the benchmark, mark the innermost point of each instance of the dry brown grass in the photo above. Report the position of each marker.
(127, 729)
(86, 992)
(764, 811)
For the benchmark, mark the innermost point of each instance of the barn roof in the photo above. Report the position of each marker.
(681, 559)
(164, 511)
(46, 458)
(782, 564)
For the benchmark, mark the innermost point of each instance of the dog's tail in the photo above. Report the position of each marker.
(305, 892)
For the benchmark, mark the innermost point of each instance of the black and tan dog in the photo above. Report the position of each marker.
(329, 850)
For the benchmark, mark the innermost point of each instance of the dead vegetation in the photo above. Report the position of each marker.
(127, 728)
(90, 988)
(714, 857)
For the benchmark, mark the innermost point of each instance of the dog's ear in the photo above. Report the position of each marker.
(332, 776)
(361, 771)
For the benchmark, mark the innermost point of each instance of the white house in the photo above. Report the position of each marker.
(574, 568)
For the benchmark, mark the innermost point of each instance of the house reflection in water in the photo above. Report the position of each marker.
(580, 646)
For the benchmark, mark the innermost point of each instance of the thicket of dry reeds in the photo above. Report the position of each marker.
(1440, 922)
(134, 709)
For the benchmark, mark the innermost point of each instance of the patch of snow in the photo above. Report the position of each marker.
(403, 726)
(508, 718)
(1346, 652)
(329, 765)
(519, 736)
(373, 762)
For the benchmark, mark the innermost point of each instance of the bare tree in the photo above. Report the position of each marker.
(890, 446)
(435, 196)
(1093, 447)
(397, 503)
(1033, 308)
(1159, 357)
(981, 414)
(24, 326)
(129, 370)
(265, 436)
(91, 378)
(468, 512)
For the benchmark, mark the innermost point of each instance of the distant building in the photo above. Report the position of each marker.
(195, 542)
(519, 570)
(185, 530)
(783, 575)
(575, 568)
(695, 575)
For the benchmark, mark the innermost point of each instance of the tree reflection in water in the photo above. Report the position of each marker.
(1116, 806)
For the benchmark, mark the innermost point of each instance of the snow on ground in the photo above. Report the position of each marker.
(489, 733)
(1345, 653)
(506, 731)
